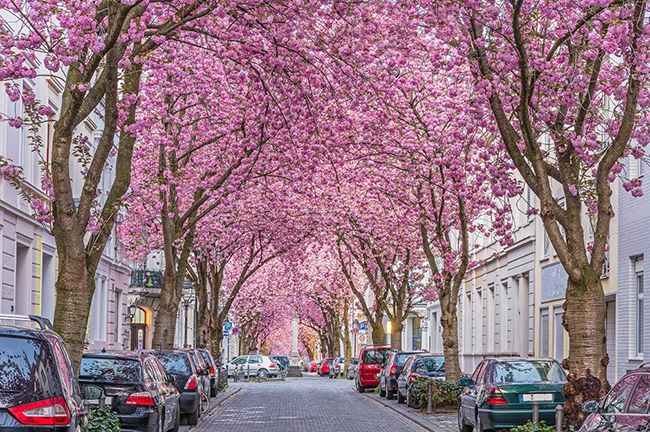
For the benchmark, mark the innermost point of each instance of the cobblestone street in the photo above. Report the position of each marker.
(309, 404)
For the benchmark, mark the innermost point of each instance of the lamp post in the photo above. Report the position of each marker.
(131, 310)
(186, 304)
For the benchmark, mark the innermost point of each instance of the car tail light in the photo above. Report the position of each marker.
(212, 370)
(140, 399)
(272, 366)
(52, 411)
(414, 375)
(496, 397)
(191, 383)
(392, 370)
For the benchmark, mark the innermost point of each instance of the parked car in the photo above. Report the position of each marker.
(254, 365)
(500, 393)
(306, 366)
(337, 366)
(324, 368)
(202, 368)
(214, 370)
(370, 360)
(282, 360)
(626, 408)
(38, 385)
(187, 381)
(391, 370)
(416, 366)
(136, 387)
(314, 366)
(352, 370)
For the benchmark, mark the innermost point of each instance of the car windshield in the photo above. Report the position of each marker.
(401, 358)
(175, 364)
(528, 371)
(115, 370)
(375, 356)
(430, 364)
(206, 358)
(27, 371)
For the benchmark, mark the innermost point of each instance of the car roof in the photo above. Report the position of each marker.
(24, 332)
(112, 354)
(511, 359)
(376, 347)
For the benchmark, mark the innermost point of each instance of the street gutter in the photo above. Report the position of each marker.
(411, 417)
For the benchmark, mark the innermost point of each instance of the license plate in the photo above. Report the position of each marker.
(95, 402)
(536, 397)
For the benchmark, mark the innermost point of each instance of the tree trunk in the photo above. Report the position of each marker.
(449, 322)
(378, 335)
(584, 319)
(74, 292)
(166, 316)
(396, 336)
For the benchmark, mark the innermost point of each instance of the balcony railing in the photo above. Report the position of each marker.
(147, 278)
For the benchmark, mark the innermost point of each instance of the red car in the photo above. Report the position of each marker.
(314, 366)
(324, 368)
(370, 360)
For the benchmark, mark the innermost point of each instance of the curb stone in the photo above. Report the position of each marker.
(215, 404)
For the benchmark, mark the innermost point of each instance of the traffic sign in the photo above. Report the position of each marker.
(362, 338)
(235, 330)
(227, 325)
(362, 325)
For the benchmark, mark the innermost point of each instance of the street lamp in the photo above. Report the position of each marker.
(186, 304)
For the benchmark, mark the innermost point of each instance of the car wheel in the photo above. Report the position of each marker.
(390, 394)
(462, 427)
(479, 427)
(400, 398)
(161, 422)
(262, 373)
(360, 389)
(193, 418)
(177, 423)
(213, 391)
(409, 399)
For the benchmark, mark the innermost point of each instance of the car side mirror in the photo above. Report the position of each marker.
(466, 382)
(591, 406)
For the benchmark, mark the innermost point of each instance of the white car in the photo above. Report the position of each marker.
(253, 365)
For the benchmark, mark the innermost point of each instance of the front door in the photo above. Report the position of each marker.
(138, 336)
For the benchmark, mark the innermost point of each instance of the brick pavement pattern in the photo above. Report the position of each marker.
(309, 404)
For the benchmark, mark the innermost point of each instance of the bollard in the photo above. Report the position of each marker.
(248, 373)
(535, 413)
(429, 397)
(559, 417)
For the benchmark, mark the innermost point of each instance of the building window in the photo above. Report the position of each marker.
(558, 335)
(639, 285)
(117, 329)
(417, 334)
(546, 253)
(543, 333)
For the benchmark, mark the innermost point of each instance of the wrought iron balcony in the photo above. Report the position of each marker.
(147, 278)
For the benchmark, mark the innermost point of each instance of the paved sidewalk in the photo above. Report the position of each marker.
(215, 404)
(441, 422)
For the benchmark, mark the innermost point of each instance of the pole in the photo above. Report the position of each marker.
(429, 397)
(559, 417)
(187, 306)
(535, 413)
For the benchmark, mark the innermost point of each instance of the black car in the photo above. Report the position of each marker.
(419, 365)
(202, 369)
(188, 382)
(626, 408)
(391, 370)
(38, 387)
(136, 387)
(214, 370)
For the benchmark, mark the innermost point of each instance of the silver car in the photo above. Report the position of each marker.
(352, 370)
(253, 365)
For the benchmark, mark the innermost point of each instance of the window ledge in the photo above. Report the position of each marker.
(637, 358)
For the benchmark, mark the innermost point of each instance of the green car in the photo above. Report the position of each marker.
(501, 393)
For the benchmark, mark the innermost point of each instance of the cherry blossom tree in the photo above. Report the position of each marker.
(566, 83)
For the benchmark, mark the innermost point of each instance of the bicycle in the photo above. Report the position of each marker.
(205, 402)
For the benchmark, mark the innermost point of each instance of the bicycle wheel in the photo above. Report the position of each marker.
(205, 406)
